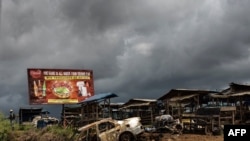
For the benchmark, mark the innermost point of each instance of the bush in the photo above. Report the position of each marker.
(31, 133)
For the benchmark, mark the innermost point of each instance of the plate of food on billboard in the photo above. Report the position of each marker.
(59, 86)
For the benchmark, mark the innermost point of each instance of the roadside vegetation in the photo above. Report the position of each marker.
(31, 133)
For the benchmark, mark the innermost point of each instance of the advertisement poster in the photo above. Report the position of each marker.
(59, 86)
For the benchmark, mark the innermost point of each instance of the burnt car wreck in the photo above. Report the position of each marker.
(111, 130)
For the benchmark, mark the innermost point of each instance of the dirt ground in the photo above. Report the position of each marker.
(181, 137)
(192, 137)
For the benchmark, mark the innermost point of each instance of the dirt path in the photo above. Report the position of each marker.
(181, 137)
(192, 137)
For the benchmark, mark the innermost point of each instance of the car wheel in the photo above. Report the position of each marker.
(126, 137)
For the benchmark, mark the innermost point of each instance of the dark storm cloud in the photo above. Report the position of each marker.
(199, 54)
(94, 16)
(136, 48)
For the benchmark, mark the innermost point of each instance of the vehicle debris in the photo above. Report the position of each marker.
(109, 129)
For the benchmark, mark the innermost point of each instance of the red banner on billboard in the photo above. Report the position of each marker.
(59, 86)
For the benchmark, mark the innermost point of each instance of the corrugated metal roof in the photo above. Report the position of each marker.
(247, 93)
(98, 97)
(239, 94)
(218, 95)
(175, 99)
(135, 101)
(143, 100)
(136, 105)
(184, 92)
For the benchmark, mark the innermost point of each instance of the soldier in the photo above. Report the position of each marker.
(12, 117)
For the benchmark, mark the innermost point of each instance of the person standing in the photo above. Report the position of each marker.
(12, 118)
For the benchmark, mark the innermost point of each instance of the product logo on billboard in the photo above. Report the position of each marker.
(36, 73)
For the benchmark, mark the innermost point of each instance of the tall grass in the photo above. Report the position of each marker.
(5, 126)
(4, 123)
(20, 130)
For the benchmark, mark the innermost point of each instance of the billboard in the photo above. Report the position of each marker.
(59, 86)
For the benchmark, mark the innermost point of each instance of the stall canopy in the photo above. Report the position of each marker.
(98, 97)
(235, 90)
(137, 102)
(184, 92)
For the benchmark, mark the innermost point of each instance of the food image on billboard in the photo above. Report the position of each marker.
(59, 86)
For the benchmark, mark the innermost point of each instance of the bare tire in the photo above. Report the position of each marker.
(126, 137)
(179, 128)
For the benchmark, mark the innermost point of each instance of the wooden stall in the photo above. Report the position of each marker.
(115, 110)
(87, 111)
(71, 114)
(95, 108)
(144, 108)
(237, 95)
(176, 99)
(209, 119)
(26, 115)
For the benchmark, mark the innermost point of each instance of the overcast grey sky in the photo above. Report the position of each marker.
(136, 48)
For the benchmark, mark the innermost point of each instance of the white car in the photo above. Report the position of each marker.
(111, 130)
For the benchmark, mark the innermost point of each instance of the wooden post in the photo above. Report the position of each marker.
(179, 106)
(138, 113)
(198, 101)
(109, 108)
(96, 110)
(241, 109)
(180, 110)
(233, 115)
(172, 110)
(219, 120)
(82, 112)
(167, 107)
(87, 112)
(152, 120)
(93, 111)
(63, 113)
